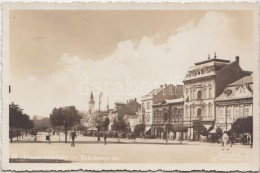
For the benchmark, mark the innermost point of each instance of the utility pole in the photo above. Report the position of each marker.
(169, 114)
(182, 123)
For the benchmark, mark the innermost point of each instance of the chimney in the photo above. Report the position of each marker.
(161, 86)
(237, 58)
(135, 99)
(165, 85)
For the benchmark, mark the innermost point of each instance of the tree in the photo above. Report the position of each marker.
(244, 125)
(67, 116)
(105, 123)
(120, 126)
(81, 128)
(42, 124)
(139, 128)
(18, 120)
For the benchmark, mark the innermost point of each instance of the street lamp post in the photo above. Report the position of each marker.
(169, 114)
(182, 123)
(190, 125)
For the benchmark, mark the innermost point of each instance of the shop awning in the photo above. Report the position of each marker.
(213, 131)
(147, 128)
(207, 126)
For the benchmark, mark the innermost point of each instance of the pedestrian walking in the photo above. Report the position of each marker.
(225, 140)
(105, 138)
(48, 138)
(73, 135)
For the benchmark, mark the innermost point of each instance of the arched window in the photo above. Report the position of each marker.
(205, 93)
(210, 92)
(199, 95)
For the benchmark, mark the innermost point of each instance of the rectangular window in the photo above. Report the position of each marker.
(221, 115)
(148, 105)
(210, 111)
(205, 93)
(236, 113)
(246, 111)
(187, 113)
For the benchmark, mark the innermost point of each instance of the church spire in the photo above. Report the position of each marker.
(91, 103)
(107, 104)
(91, 96)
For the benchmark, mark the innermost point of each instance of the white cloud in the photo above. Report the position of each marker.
(142, 64)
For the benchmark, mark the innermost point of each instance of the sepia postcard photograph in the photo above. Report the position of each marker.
(130, 86)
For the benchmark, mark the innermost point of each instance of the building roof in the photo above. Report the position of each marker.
(246, 80)
(129, 108)
(211, 60)
(240, 89)
(171, 101)
(216, 65)
(120, 103)
(155, 91)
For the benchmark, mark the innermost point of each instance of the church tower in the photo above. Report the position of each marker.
(91, 104)
(107, 104)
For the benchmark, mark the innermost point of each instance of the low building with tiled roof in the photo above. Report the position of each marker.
(168, 111)
(234, 102)
(128, 111)
(157, 95)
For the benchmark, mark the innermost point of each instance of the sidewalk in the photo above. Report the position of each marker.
(93, 140)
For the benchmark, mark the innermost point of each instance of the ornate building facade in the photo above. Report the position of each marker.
(235, 102)
(203, 83)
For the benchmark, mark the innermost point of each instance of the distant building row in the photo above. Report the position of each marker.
(215, 92)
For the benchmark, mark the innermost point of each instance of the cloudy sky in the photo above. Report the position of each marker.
(58, 57)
